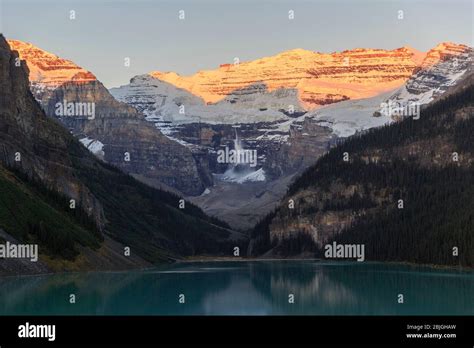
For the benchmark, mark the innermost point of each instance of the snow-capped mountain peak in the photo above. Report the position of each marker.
(319, 78)
(442, 67)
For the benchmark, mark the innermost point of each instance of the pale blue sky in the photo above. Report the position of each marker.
(216, 31)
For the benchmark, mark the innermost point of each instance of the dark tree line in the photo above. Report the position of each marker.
(438, 212)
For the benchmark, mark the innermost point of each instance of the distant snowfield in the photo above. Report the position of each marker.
(351, 116)
(167, 103)
(164, 101)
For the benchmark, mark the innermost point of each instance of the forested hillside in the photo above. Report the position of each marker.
(406, 192)
(43, 167)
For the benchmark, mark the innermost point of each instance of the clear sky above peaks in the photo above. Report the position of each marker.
(214, 32)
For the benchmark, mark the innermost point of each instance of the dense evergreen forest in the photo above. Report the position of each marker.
(32, 213)
(146, 219)
(53, 166)
(427, 163)
(149, 219)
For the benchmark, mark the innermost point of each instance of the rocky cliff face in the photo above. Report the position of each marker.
(45, 155)
(42, 166)
(439, 70)
(445, 51)
(116, 132)
(48, 71)
(305, 144)
(128, 140)
(442, 68)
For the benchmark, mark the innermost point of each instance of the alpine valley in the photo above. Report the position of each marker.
(291, 108)
(152, 147)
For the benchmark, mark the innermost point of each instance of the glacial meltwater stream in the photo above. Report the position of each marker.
(246, 288)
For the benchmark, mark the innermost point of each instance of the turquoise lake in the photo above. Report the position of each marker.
(246, 288)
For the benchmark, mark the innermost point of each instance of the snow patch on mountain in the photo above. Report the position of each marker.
(442, 68)
(164, 103)
(351, 116)
(94, 146)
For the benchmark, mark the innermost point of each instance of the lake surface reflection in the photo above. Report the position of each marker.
(246, 288)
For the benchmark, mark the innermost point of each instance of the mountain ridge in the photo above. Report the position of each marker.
(115, 128)
(406, 58)
(43, 166)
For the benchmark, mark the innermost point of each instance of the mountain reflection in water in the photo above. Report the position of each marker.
(245, 288)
